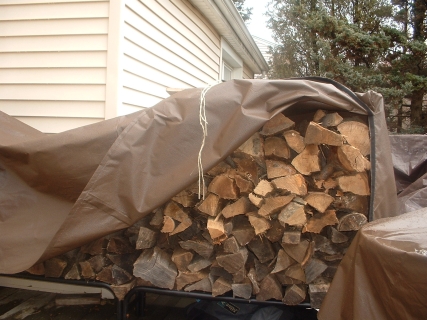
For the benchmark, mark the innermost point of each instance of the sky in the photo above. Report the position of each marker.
(257, 26)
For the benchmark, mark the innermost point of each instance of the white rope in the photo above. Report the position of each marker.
(204, 124)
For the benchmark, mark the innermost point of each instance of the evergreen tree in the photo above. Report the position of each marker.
(245, 12)
(363, 44)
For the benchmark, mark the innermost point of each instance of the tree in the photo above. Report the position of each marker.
(364, 44)
(245, 12)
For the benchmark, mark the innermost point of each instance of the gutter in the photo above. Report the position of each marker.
(227, 21)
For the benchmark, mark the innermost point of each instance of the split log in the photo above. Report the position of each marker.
(294, 140)
(256, 200)
(198, 263)
(320, 220)
(336, 236)
(174, 211)
(259, 223)
(230, 245)
(356, 134)
(212, 205)
(242, 290)
(186, 198)
(241, 206)
(297, 251)
(357, 184)
(245, 186)
(294, 295)
(182, 258)
(294, 184)
(120, 245)
(185, 278)
(156, 266)
(224, 187)
(262, 249)
(270, 288)
(157, 219)
(105, 275)
(243, 231)
(276, 147)
(95, 247)
(273, 205)
(247, 167)
(293, 214)
(275, 233)
(98, 262)
(319, 200)
(37, 269)
(220, 287)
(204, 285)
(331, 120)
(291, 236)
(73, 273)
(317, 292)
(277, 124)
(216, 227)
(54, 267)
(307, 161)
(252, 278)
(318, 115)
(352, 202)
(351, 159)
(120, 291)
(263, 188)
(283, 262)
(233, 262)
(313, 269)
(254, 147)
(86, 270)
(352, 222)
(120, 276)
(169, 224)
(202, 247)
(146, 238)
(276, 169)
(316, 134)
(296, 272)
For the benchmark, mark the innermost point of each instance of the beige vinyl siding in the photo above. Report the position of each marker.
(53, 59)
(247, 73)
(167, 43)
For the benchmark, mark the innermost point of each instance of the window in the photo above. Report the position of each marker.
(231, 63)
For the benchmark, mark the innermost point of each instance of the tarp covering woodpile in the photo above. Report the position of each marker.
(59, 192)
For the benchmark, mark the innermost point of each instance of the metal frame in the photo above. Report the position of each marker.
(138, 293)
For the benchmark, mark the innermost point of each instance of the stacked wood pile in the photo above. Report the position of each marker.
(278, 216)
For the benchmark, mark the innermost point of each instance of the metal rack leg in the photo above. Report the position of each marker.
(140, 303)
(121, 313)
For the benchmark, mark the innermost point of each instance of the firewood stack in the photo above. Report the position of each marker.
(277, 217)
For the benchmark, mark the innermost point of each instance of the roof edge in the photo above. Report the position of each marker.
(227, 21)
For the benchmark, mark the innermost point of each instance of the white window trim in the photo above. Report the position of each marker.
(231, 60)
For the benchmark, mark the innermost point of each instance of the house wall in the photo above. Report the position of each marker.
(53, 59)
(167, 43)
(247, 73)
(69, 63)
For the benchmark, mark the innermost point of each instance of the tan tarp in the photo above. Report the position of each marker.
(383, 275)
(60, 191)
